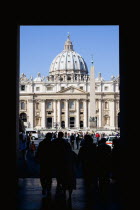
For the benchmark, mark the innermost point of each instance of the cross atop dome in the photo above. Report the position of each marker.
(68, 35)
(68, 44)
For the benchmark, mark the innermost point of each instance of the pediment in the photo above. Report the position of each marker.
(72, 90)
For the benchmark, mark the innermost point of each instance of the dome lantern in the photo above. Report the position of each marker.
(68, 44)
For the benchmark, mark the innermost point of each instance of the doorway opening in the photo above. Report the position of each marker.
(72, 122)
(49, 122)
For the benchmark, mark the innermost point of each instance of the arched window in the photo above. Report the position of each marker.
(23, 116)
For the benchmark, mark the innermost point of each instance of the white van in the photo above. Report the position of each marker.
(35, 134)
(109, 140)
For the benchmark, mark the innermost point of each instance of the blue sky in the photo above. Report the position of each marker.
(39, 45)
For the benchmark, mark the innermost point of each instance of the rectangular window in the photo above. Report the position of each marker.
(37, 88)
(22, 105)
(62, 88)
(49, 105)
(22, 87)
(81, 87)
(106, 88)
(49, 88)
(71, 104)
(62, 105)
(81, 105)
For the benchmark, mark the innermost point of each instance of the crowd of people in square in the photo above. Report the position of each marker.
(56, 156)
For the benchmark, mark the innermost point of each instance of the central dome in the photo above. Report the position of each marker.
(68, 62)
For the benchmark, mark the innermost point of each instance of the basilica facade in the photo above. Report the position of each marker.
(70, 97)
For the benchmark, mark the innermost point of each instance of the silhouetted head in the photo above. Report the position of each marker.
(103, 140)
(88, 139)
(60, 135)
(48, 136)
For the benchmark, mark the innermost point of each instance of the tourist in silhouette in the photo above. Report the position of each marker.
(28, 141)
(44, 156)
(87, 156)
(97, 135)
(66, 135)
(64, 165)
(103, 167)
(72, 138)
(23, 145)
(33, 148)
(30, 136)
(77, 140)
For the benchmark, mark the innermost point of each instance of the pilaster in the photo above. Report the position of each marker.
(66, 113)
(85, 114)
(77, 114)
(43, 113)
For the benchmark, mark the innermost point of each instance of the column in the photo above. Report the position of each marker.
(92, 97)
(112, 113)
(31, 113)
(100, 113)
(88, 105)
(43, 114)
(77, 114)
(66, 114)
(58, 113)
(54, 107)
(85, 114)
